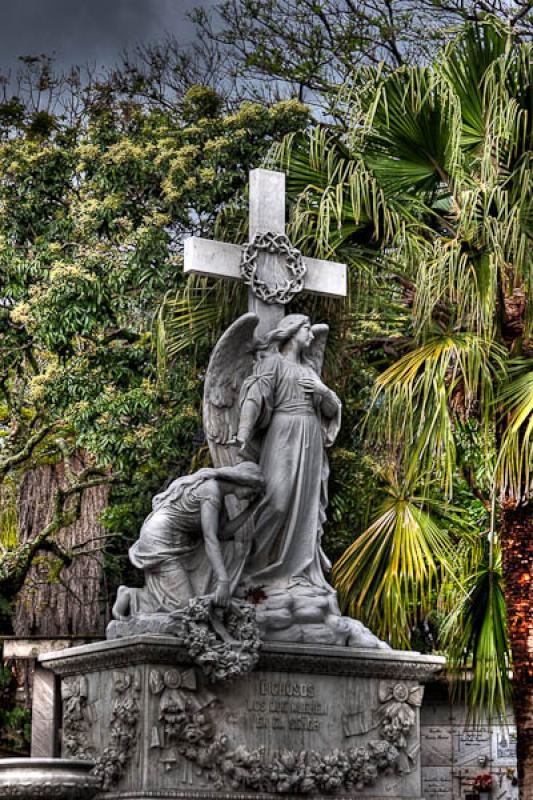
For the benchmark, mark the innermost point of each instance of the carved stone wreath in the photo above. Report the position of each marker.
(188, 727)
(278, 244)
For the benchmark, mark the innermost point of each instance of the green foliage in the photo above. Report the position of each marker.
(428, 198)
(311, 49)
(92, 217)
(475, 631)
(15, 720)
(389, 574)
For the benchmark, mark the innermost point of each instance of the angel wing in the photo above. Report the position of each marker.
(230, 363)
(315, 354)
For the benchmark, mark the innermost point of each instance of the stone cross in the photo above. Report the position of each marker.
(266, 215)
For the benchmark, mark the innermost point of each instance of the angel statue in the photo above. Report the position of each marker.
(264, 401)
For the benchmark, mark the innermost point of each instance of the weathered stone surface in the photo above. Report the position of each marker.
(471, 745)
(45, 721)
(437, 783)
(267, 201)
(222, 260)
(504, 746)
(342, 661)
(308, 720)
(267, 214)
(268, 414)
(435, 745)
(453, 754)
(47, 779)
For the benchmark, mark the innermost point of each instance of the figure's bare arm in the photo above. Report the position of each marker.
(257, 398)
(330, 403)
(233, 525)
(210, 499)
(250, 411)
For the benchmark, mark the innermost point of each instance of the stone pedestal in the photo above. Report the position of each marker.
(322, 721)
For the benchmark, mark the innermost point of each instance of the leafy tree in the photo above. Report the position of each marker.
(93, 212)
(273, 49)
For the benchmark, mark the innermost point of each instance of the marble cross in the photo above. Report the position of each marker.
(266, 214)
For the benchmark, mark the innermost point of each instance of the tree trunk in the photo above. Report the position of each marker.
(55, 604)
(517, 556)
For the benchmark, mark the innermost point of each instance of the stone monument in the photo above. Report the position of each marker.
(232, 672)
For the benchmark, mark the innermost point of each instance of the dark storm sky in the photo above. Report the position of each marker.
(81, 31)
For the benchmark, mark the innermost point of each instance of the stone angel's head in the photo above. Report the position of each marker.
(294, 329)
(244, 480)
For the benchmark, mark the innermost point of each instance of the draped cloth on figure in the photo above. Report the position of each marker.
(290, 429)
(171, 552)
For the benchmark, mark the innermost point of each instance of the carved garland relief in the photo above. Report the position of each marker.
(114, 758)
(186, 727)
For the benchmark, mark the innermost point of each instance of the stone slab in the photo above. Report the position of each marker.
(222, 260)
(471, 747)
(33, 648)
(300, 700)
(504, 746)
(437, 784)
(436, 745)
(188, 794)
(45, 715)
(313, 658)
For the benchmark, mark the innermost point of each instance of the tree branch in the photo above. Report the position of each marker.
(23, 455)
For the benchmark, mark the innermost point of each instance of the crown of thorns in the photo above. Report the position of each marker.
(278, 244)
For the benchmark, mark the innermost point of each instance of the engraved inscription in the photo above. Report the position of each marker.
(505, 741)
(470, 745)
(284, 705)
(436, 745)
(286, 689)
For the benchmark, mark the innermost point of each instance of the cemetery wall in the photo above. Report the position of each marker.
(452, 755)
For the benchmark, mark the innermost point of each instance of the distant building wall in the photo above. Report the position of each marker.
(452, 755)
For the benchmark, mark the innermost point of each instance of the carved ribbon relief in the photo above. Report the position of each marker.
(186, 726)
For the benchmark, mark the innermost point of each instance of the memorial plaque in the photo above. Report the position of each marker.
(504, 746)
(309, 720)
(437, 783)
(435, 745)
(469, 746)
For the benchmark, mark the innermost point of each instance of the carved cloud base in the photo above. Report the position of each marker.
(319, 721)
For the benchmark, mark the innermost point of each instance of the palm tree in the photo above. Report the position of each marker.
(428, 198)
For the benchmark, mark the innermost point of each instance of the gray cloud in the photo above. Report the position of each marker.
(81, 31)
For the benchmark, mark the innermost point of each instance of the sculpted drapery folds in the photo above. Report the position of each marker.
(181, 546)
(287, 419)
(250, 529)
(264, 401)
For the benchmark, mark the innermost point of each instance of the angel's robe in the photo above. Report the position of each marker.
(289, 430)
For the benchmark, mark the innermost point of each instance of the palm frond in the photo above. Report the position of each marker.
(465, 65)
(515, 460)
(196, 314)
(387, 577)
(414, 145)
(412, 400)
(475, 632)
